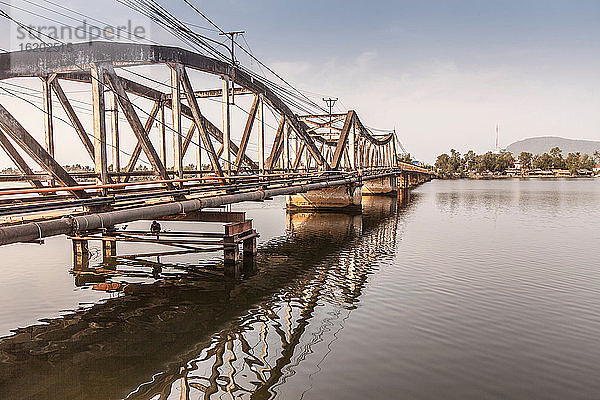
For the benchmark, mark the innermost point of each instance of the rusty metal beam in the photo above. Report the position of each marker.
(138, 147)
(15, 130)
(48, 115)
(163, 138)
(328, 124)
(14, 155)
(205, 94)
(261, 135)
(306, 117)
(341, 145)
(199, 121)
(226, 116)
(64, 101)
(246, 135)
(99, 123)
(277, 145)
(176, 71)
(114, 118)
(299, 156)
(134, 121)
(188, 138)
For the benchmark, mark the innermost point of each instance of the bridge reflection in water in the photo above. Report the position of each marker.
(161, 343)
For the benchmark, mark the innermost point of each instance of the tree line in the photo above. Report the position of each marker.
(455, 165)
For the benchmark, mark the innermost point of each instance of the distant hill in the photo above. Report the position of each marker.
(539, 145)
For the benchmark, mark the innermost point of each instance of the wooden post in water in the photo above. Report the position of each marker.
(109, 250)
(231, 257)
(81, 254)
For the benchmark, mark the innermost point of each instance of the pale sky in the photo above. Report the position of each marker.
(443, 73)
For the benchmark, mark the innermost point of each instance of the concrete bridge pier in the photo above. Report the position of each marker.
(403, 196)
(387, 185)
(344, 198)
(403, 181)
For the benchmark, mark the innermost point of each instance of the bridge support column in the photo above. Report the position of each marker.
(412, 182)
(231, 255)
(346, 198)
(382, 186)
(249, 256)
(81, 254)
(249, 248)
(234, 234)
(109, 251)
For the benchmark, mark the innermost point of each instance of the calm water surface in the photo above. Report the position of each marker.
(467, 290)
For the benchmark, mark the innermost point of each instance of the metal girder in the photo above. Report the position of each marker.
(198, 120)
(176, 71)
(134, 121)
(246, 135)
(15, 130)
(162, 132)
(18, 160)
(138, 147)
(261, 135)
(99, 123)
(299, 156)
(66, 105)
(277, 145)
(306, 117)
(188, 138)
(205, 94)
(327, 124)
(114, 115)
(226, 117)
(341, 145)
(48, 116)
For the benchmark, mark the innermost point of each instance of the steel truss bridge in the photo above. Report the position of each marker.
(309, 152)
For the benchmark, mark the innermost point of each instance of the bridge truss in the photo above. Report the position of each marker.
(306, 149)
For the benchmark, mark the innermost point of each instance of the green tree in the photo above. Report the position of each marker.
(525, 159)
(543, 161)
(572, 162)
(455, 161)
(587, 162)
(443, 166)
(557, 158)
(504, 161)
(469, 161)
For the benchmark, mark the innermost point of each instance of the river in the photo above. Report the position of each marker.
(462, 290)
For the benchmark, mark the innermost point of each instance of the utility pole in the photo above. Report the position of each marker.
(330, 102)
(233, 61)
